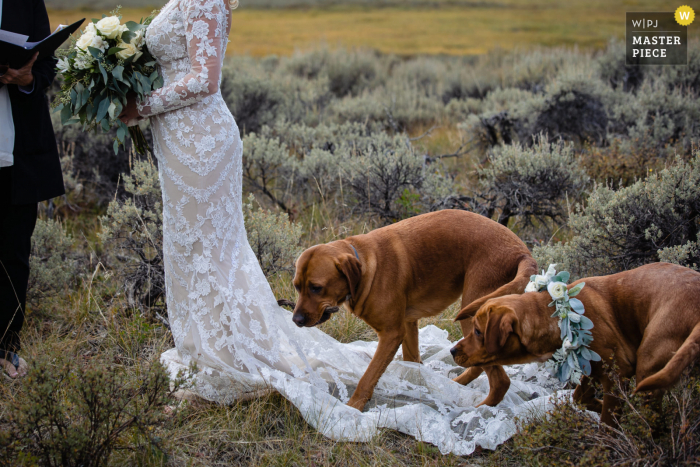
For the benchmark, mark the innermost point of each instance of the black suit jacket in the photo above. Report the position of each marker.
(36, 173)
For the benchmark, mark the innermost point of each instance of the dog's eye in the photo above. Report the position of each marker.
(315, 289)
(477, 333)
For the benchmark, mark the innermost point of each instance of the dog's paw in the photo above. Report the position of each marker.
(357, 403)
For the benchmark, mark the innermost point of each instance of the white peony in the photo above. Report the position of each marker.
(63, 65)
(110, 27)
(531, 287)
(129, 50)
(557, 290)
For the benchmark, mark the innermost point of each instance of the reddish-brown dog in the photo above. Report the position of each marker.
(393, 276)
(647, 318)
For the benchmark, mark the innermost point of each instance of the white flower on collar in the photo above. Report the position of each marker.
(557, 290)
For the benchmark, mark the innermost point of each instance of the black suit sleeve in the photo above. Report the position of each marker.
(44, 70)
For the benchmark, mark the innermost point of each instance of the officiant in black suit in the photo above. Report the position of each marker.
(30, 169)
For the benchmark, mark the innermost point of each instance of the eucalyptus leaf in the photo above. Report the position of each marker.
(133, 26)
(114, 50)
(127, 36)
(586, 323)
(585, 366)
(66, 114)
(96, 53)
(576, 305)
(118, 72)
(594, 356)
(102, 110)
(573, 291)
(121, 133)
(104, 73)
(585, 353)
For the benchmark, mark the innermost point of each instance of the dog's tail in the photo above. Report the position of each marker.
(526, 268)
(670, 374)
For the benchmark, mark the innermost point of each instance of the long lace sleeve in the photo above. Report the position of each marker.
(205, 34)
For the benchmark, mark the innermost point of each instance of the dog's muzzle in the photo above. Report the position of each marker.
(327, 313)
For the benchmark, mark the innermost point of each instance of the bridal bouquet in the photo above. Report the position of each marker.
(106, 63)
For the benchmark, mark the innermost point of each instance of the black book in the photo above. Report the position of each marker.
(16, 53)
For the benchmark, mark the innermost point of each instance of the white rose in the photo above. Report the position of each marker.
(541, 281)
(137, 40)
(111, 110)
(531, 287)
(557, 290)
(86, 39)
(109, 27)
(129, 50)
(63, 66)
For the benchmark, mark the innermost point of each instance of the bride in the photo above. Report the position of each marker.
(222, 311)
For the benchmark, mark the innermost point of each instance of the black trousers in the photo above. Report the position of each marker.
(16, 227)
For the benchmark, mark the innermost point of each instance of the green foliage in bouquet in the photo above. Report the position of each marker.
(108, 62)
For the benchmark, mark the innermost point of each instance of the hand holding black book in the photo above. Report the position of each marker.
(15, 51)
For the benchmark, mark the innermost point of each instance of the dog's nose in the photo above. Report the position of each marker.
(299, 319)
(453, 351)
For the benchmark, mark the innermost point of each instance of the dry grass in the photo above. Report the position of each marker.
(453, 28)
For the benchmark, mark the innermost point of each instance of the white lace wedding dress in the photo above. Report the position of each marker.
(222, 311)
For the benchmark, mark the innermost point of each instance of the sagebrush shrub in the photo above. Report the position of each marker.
(134, 228)
(51, 267)
(531, 182)
(385, 177)
(349, 73)
(274, 239)
(252, 96)
(268, 167)
(90, 159)
(622, 229)
(573, 109)
(72, 415)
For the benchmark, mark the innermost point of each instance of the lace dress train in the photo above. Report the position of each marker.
(222, 311)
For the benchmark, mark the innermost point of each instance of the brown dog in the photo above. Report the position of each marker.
(393, 276)
(648, 318)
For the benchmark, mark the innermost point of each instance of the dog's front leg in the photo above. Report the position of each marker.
(499, 382)
(386, 350)
(584, 394)
(409, 346)
(468, 375)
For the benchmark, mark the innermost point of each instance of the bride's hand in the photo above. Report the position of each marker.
(130, 115)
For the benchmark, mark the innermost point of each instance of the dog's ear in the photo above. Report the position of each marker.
(351, 268)
(470, 310)
(500, 326)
